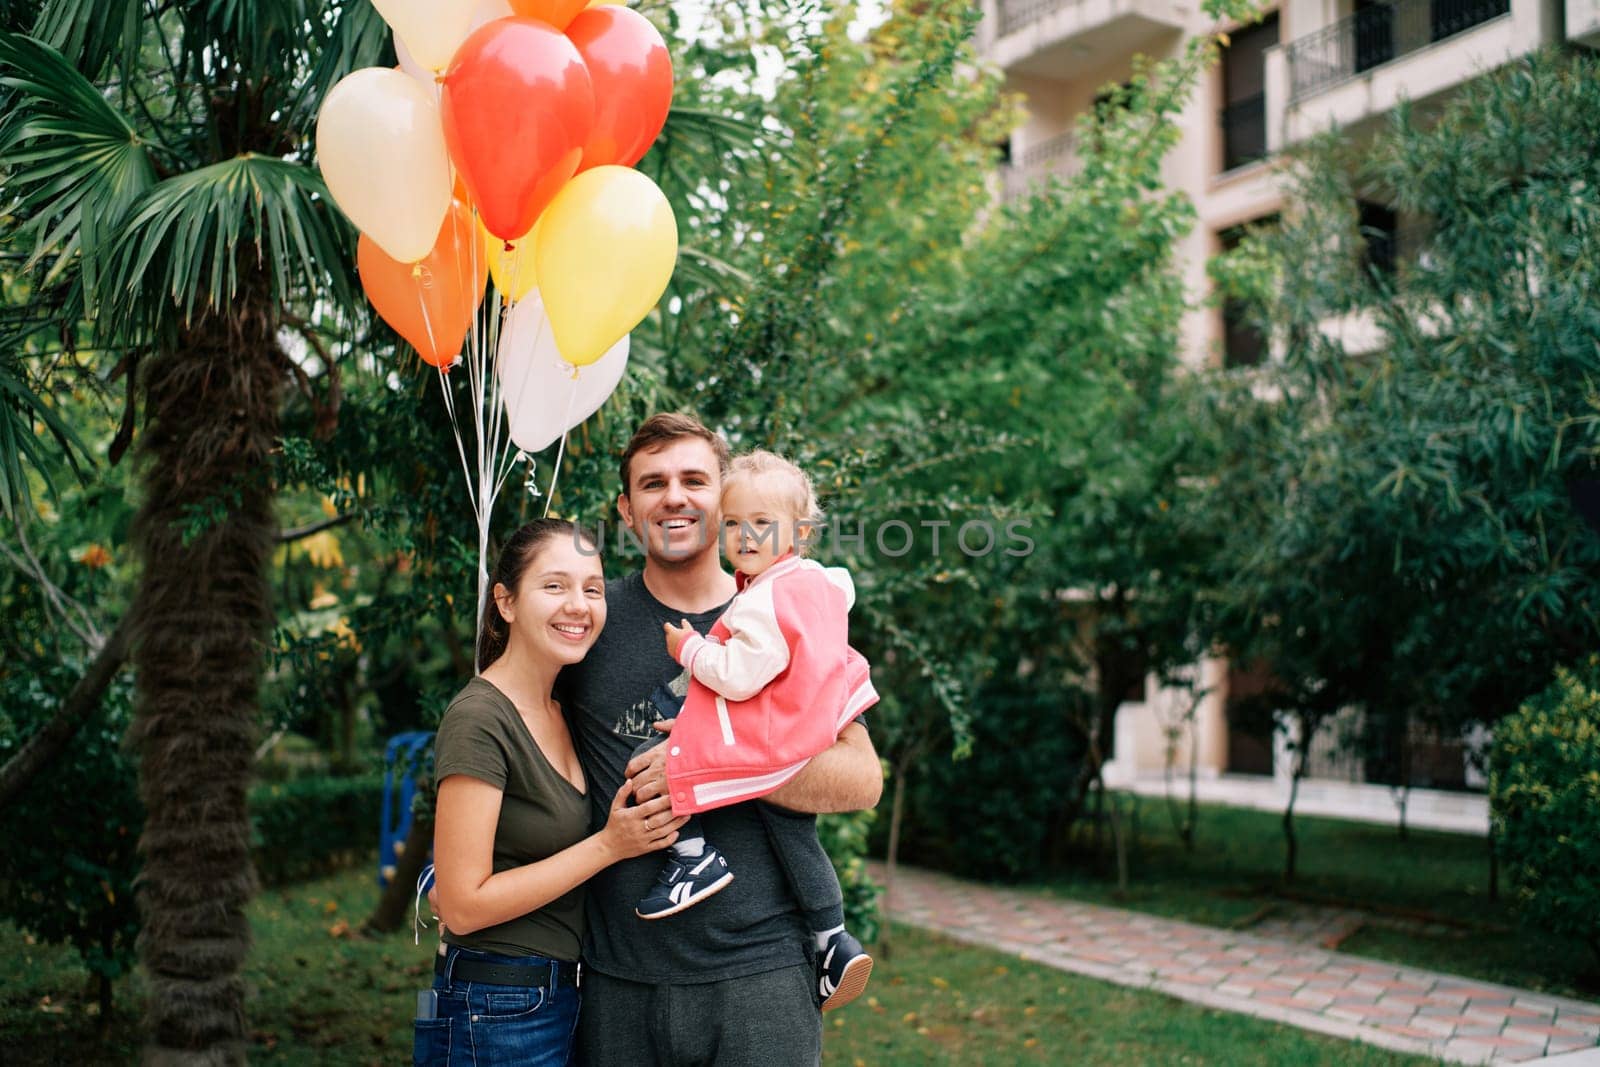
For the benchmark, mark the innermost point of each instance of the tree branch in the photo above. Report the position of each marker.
(82, 626)
(75, 710)
(295, 534)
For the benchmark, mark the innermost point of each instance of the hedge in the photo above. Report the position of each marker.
(310, 826)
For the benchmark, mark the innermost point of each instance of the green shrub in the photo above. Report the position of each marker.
(845, 838)
(69, 859)
(991, 815)
(1544, 791)
(310, 826)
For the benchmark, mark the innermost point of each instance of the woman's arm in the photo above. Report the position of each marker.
(472, 897)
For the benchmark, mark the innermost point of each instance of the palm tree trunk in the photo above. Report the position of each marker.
(201, 617)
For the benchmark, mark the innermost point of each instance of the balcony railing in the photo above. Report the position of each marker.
(1244, 131)
(1015, 14)
(1047, 159)
(1376, 35)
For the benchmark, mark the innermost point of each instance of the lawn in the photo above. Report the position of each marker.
(1234, 873)
(320, 995)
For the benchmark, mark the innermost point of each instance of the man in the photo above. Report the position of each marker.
(731, 980)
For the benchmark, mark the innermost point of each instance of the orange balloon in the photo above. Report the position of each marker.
(431, 302)
(556, 12)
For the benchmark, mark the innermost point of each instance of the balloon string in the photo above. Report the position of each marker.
(561, 451)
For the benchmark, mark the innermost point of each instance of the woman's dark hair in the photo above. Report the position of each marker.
(515, 556)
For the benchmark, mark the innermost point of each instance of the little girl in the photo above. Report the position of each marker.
(771, 687)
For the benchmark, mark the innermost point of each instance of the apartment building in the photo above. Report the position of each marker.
(1307, 67)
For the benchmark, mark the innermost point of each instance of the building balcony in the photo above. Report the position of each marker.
(1053, 38)
(1359, 68)
(1036, 164)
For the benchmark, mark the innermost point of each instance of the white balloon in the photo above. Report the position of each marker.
(545, 396)
(431, 29)
(380, 144)
(486, 11)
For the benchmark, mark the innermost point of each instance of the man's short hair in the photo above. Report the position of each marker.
(660, 430)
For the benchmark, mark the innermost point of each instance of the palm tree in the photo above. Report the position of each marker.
(158, 166)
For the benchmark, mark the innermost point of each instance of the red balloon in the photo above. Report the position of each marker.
(517, 107)
(430, 303)
(632, 74)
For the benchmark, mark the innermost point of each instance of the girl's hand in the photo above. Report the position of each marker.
(677, 635)
(648, 827)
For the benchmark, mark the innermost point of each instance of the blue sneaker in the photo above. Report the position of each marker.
(843, 970)
(683, 883)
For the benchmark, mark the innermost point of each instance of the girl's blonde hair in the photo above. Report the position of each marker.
(786, 484)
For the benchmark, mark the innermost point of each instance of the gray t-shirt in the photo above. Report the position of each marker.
(753, 925)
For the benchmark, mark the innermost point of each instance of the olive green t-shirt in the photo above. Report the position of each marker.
(483, 737)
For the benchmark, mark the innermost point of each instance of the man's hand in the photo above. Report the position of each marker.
(677, 635)
(647, 772)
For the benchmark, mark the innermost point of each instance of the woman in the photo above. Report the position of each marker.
(512, 846)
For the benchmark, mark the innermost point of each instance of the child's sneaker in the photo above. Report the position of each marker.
(683, 883)
(842, 971)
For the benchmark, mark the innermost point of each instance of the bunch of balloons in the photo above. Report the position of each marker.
(503, 146)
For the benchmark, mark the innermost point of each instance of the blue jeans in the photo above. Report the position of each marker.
(480, 1025)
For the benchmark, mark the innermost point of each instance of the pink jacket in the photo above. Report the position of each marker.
(772, 686)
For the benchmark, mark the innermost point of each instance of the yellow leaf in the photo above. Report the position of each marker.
(939, 983)
(322, 549)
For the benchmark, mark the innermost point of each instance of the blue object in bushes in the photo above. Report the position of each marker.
(400, 759)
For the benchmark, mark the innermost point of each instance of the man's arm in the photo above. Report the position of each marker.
(846, 777)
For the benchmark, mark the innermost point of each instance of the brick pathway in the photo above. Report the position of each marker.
(1460, 1020)
(1327, 927)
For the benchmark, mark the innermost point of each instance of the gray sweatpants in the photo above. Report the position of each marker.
(761, 1020)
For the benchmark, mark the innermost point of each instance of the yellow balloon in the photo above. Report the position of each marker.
(597, 3)
(606, 248)
(515, 272)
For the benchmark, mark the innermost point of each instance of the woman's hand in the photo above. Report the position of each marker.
(648, 827)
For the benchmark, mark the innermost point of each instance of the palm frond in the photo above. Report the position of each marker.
(696, 148)
(89, 33)
(356, 37)
(186, 243)
(259, 36)
(699, 267)
(75, 163)
(21, 409)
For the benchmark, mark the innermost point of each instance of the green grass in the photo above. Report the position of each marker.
(320, 996)
(1235, 870)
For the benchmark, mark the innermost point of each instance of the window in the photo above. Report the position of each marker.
(1243, 345)
(1244, 84)
(1380, 228)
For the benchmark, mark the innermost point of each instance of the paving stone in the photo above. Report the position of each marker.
(1403, 1008)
